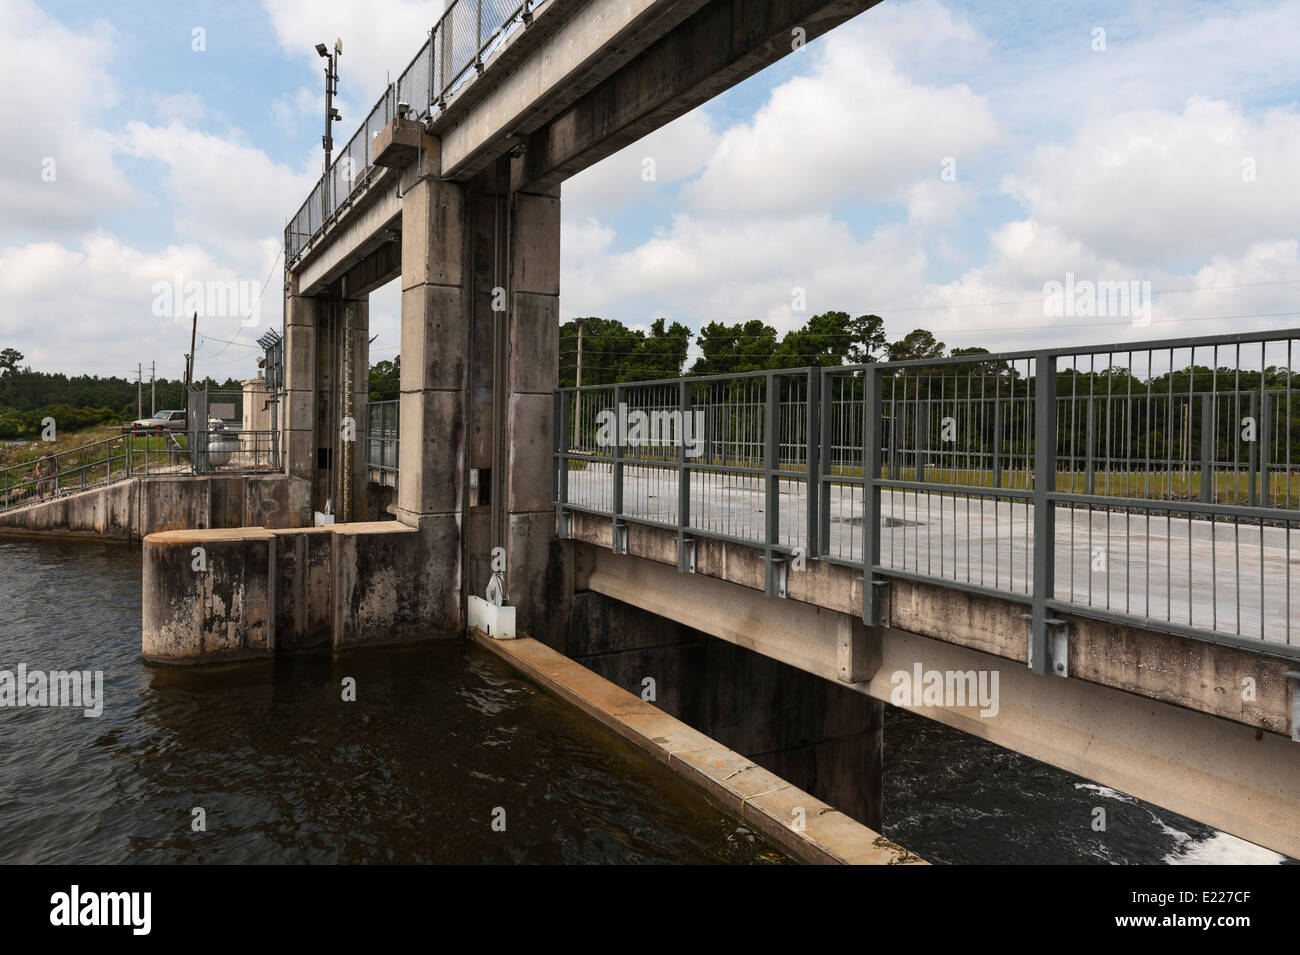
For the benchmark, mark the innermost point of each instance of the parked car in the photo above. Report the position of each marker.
(160, 422)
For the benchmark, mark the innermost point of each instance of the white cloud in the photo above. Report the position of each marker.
(703, 269)
(225, 191)
(57, 82)
(1156, 186)
(674, 152)
(92, 303)
(852, 128)
(380, 38)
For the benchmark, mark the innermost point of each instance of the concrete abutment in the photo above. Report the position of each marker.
(821, 736)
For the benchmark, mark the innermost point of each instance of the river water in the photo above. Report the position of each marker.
(439, 738)
(442, 741)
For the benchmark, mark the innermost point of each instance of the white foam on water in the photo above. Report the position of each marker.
(1223, 849)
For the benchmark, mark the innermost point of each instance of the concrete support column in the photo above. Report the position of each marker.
(537, 581)
(299, 424)
(435, 325)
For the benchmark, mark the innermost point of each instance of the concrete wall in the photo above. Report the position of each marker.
(211, 596)
(137, 507)
(1196, 674)
(821, 736)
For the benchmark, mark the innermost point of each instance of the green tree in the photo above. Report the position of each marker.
(916, 345)
(659, 354)
(869, 342)
(735, 349)
(825, 340)
(607, 348)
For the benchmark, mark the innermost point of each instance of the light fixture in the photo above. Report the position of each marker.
(322, 49)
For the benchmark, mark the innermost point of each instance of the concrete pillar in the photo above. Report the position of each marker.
(537, 581)
(299, 423)
(480, 345)
(435, 326)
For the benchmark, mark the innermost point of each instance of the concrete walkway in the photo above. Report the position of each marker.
(1233, 578)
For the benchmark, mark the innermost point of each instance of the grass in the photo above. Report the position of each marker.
(85, 458)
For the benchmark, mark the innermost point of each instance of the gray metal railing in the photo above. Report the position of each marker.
(382, 436)
(467, 34)
(92, 465)
(1153, 484)
(136, 455)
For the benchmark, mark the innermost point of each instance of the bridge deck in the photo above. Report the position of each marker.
(1231, 578)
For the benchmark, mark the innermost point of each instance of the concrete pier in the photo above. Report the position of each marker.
(216, 596)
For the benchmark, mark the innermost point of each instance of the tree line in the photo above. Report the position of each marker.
(612, 352)
(77, 401)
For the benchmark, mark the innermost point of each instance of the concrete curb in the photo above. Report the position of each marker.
(756, 796)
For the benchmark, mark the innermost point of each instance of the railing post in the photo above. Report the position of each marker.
(872, 425)
(1044, 512)
(895, 426)
(997, 433)
(617, 504)
(825, 462)
(1265, 436)
(1089, 459)
(478, 38)
(772, 486)
(1252, 453)
(1207, 449)
(561, 473)
(812, 440)
(922, 442)
(685, 544)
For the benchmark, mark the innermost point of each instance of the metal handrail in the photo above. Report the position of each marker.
(446, 66)
(1143, 470)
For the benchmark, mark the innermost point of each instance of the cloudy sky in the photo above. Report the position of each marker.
(934, 162)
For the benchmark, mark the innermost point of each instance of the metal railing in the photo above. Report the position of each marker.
(382, 436)
(467, 34)
(1156, 485)
(89, 466)
(136, 455)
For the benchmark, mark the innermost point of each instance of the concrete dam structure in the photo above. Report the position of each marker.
(1083, 555)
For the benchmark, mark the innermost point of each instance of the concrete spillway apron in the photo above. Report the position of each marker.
(760, 798)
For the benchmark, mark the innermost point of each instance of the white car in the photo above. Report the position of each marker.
(160, 422)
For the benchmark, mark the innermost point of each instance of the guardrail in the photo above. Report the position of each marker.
(465, 35)
(1155, 484)
(382, 436)
(132, 455)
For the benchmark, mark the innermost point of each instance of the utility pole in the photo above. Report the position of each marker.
(331, 114)
(189, 362)
(139, 390)
(153, 388)
(577, 395)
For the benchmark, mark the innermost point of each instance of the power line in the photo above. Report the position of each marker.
(265, 283)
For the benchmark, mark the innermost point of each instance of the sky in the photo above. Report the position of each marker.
(936, 163)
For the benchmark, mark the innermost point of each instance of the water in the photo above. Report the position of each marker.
(955, 798)
(439, 737)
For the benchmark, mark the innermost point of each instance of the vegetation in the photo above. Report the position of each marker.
(76, 402)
